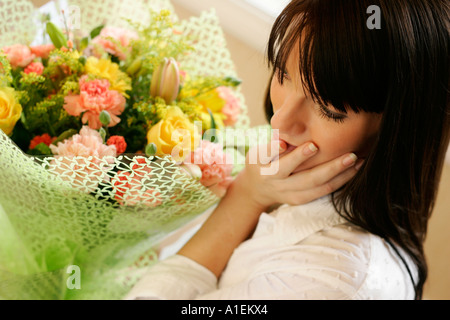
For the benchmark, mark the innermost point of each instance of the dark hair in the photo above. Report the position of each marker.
(400, 70)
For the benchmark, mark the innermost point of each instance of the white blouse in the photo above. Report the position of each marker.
(296, 252)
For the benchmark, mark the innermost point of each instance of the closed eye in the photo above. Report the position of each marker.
(282, 75)
(330, 115)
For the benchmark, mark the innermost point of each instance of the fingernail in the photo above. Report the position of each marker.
(282, 145)
(350, 160)
(310, 149)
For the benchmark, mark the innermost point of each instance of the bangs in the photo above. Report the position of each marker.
(341, 60)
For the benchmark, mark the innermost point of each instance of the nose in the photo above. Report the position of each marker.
(291, 117)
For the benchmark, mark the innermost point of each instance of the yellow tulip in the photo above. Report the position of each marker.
(174, 135)
(10, 109)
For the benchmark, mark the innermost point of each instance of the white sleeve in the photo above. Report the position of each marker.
(175, 278)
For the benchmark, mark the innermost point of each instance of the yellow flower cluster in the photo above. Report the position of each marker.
(106, 69)
(208, 101)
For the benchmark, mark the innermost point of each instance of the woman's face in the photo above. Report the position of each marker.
(299, 120)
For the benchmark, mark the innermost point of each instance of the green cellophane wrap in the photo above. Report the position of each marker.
(52, 221)
(56, 213)
(85, 228)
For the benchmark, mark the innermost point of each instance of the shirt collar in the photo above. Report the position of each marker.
(294, 223)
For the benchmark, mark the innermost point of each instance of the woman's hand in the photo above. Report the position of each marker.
(265, 181)
(270, 176)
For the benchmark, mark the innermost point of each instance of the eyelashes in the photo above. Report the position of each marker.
(285, 75)
(282, 75)
(328, 115)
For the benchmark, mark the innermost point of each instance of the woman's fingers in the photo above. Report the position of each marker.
(289, 162)
(266, 153)
(282, 184)
(334, 184)
(324, 173)
(296, 197)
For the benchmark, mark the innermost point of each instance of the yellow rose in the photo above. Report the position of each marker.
(174, 135)
(10, 109)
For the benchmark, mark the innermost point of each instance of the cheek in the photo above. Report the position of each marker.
(276, 94)
(354, 137)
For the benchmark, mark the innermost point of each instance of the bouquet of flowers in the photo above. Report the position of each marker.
(109, 140)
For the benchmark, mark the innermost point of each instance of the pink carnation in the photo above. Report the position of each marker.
(95, 97)
(232, 107)
(19, 55)
(87, 143)
(36, 67)
(115, 41)
(216, 166)
(72, 164)
(42, 51)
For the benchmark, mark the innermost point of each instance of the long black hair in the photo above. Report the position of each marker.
(401, 71)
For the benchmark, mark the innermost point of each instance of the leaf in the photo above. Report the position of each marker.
(150, 149)
(102, 132)
(211, 134)
(213, 123)
(232, 81)
(65, 135)
(41, 149)
(56, 35)
(84, 43)
(105, 118)
(96, 31)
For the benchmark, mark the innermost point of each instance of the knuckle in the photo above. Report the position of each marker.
(328, 188)
(297, 200)
(316, 181)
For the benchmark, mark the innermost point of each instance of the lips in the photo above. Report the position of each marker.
(290, 147)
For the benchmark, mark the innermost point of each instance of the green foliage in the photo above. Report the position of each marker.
(63, 66)
(157, 40)
(200, 85)
(41, 149)
(65, 135)
(5, 70)
(56, 35)
(49, 116)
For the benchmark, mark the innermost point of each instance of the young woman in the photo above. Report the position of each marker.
(363, 122)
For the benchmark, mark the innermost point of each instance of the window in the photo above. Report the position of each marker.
(270, 7)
